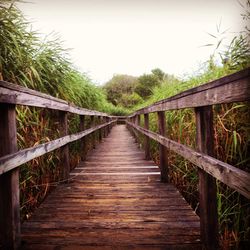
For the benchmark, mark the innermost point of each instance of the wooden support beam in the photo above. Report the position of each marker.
(233, 177)
(64, 157)
(146, 142)
(92, 124)
(83, 140)
(163, 153)
(12, 161)
(100, 130)
(207, 183)
(10, 234)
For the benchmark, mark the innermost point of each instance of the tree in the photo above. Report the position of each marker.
(118, 86)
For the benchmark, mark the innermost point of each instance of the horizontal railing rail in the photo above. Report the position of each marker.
(233, 177)
(228, 89)
(14, 94)
(11, 159)
(232, 88)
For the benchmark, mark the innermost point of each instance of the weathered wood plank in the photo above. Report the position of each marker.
(83, 140)
(163, 153)
(146, 142)
(207, 183)
(15, 94)
(9, 182)
(12, 161)
(120, 211)
(230, 175)
(64, 150)
(231, 88)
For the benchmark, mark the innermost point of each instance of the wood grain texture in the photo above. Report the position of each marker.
(207, 183)
(228, 174)
(12, 161)
(15, 94)
(9, 182)
(163, 153)
(146, 139)
(231, 88)
(114, 212)
(64, 150)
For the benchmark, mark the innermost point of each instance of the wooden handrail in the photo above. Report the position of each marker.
(235, 178)
(15, 94)
(228, 89)
(10, 159)
(231, 88)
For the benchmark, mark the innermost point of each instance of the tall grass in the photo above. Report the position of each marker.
(44, 66)
(232, 145)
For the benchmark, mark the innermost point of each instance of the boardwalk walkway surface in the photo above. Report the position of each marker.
(115, 201)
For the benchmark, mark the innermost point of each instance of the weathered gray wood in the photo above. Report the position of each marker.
(83, 141)
(9, 182)
(233, 177)
(106, 129)
(64, 154)
(12, 161)
(207, 183)
(100, 130)
(146, 142)
(232, 88)
(15, 94)
(93, 137)
(113, 211)
(163, 154)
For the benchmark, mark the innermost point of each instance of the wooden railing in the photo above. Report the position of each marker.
(11, 159)
(232, 88)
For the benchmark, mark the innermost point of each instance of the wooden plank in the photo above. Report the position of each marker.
(163, 154)
(15, 94)
(207, 183)
(146, 142)
(64, 151)
(233, 177)
(12, 161)
(120, 211)
(228, 89)
(9, 182)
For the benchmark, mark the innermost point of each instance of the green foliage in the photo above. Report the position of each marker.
(146, 83)
(118, 86)
(131, 100)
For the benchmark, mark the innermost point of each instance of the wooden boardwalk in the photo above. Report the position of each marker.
(114, 201)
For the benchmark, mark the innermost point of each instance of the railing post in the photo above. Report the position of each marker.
(100, 130)
(207, 184)
(136, 122)
(10, 233)
(63, 129)
(83, 141)
(92, 124)
(163, 153)
(106, 130)
(146, 142)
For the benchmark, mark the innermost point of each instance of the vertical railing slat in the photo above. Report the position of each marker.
(146, 142)
(163, 153)
(207, 184)
(10, 234)
(64, 158)
(83, 140)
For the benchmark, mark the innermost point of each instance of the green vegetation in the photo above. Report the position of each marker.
(45, 66)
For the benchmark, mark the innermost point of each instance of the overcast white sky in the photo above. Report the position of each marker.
(134, 36)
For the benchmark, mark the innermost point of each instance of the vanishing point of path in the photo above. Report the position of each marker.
(115, 201)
